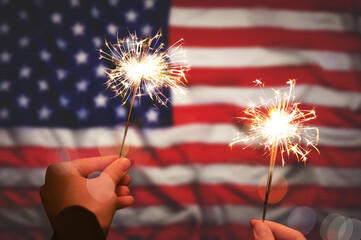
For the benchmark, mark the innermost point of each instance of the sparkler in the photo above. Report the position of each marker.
(278, 125)
(143, 65)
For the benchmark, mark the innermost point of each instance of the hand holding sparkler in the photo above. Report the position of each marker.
(142, 65)
(278, 124)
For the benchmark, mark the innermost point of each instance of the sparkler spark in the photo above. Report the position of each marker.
(141, 66)
(278, 124)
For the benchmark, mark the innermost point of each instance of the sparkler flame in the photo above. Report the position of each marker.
(279, 122)
(142, 66)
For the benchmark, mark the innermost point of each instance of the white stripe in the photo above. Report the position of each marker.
(243, 96)
(269, 57)
(205, 174)
(160, 138)
(242, 18)
(165, 215)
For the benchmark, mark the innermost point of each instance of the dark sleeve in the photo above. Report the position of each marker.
(76, 222)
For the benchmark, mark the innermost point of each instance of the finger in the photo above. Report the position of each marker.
(125, 180)
(117, 170)
(122, 191)
(87, 166)
(124, 201)
(262, 232)
(280, 231)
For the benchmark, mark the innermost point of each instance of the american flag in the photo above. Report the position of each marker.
(187, 182)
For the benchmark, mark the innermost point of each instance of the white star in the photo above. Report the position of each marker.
(4, 114)
(94, 12)
(63, 101)
(82, 114)
(131, 16)
(152, 115)
(113, 3)
(112, 29)
(100, 101)
(44, 113)
(56, 18)
(61, 43)
(120, 112)
(61, 74)
(78, 29)
(5, 56)
(74, 3)
(100, 71)
(24, 41)
(146, 30)
(45, 55)
(148, 4)
(4, 28)
(97, 42)
(23, 15)
(4, 86)
(81, 57)
(82, 86)
(23, 101)
(43, 85)
(25, 72)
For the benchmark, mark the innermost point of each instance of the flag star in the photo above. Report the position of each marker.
(43, 85)
(81, 57)
(61, 43)
(4, 113)
(112, 29)
(74, 3)
(44, 113)
(4, 28)
(113, 3)
(146, 30)
(56, 18)
(61, 74)
(4, 86)
(78, 29)
(5, 56)
(100, 101)
(24, 41)
(25, 72)
(23, 101)
(152, 116)
(100, 71)
(82, 85)
(63, 101)
(94, 12)
(23, 15)
(131, 16)
(82, 114)
(148, 4)
(45, 55)
(97, 42)
(120, 112)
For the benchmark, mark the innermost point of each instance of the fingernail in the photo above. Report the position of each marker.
(261, 230)
(253, 221)
(126, 163)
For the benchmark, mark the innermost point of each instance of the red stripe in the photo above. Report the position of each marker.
(225, 113)
(214, 194)
(44, 233)
(266, 37)
(197, 153)
(319, 5)
(275, 76)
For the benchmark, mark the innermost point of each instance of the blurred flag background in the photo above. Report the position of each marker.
(187, 182)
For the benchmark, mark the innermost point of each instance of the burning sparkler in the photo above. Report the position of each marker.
(141, 65)
(277, 124)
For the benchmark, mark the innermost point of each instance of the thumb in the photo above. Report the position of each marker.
(117, 169)
(262, 232)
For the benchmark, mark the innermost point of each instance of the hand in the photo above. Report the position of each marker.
(268, 230)
(66, 184)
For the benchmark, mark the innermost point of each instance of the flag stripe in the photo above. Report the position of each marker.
(260, 17)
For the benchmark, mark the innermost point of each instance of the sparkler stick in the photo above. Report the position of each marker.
(143, 65)
(278, 124)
